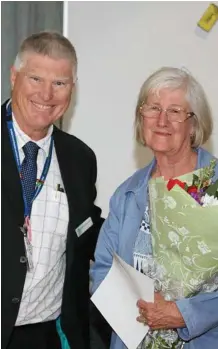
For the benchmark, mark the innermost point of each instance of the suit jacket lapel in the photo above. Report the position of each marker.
(70, 175)
(10, 175)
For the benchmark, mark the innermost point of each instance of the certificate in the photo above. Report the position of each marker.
(116, 299)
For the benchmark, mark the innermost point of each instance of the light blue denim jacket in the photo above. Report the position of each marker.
(118, 234)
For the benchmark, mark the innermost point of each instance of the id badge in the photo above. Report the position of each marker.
(29, 253)
(26, 230)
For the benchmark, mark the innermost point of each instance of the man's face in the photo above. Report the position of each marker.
(41, 91)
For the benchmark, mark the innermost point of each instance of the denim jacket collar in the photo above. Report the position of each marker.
(142, 176)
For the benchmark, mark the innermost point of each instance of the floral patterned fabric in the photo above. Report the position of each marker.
(144, 262)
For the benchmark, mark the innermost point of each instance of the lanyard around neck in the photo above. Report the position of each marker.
(40, 182)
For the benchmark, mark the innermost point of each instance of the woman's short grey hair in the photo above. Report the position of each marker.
(174, 78)
(47, 43)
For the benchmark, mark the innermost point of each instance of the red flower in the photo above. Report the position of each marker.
(173, 182)
(192, 189)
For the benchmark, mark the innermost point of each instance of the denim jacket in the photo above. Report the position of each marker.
(118, 234)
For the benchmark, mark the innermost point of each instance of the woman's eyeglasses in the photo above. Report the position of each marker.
(174, 114)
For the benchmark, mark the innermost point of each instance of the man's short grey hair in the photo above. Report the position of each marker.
(173, 79)
(47, 43)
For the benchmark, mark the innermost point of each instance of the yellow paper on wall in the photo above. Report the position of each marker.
(209, 18)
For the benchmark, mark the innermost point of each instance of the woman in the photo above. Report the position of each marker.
(173, 119)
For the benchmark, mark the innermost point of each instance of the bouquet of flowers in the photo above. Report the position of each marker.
(184, 226)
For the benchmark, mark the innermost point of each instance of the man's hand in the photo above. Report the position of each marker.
(161, 314)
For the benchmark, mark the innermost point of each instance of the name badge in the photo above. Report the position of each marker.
(82, 228)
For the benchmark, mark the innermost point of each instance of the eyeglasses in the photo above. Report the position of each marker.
(174, 114)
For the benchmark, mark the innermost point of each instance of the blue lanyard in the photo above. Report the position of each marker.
(40, 182)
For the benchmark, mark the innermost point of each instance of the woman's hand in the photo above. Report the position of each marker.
(161, 314)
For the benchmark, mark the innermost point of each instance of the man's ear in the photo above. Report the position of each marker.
(13, 76)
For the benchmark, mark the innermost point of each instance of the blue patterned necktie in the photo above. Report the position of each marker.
(29, 172)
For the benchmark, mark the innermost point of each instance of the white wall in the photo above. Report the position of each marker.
(119, 44)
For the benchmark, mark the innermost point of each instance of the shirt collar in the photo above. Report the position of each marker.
(23, 138)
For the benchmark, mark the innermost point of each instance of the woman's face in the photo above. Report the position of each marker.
(162, 135)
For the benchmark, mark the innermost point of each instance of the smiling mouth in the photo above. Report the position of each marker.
(42, 106)
(162, 133)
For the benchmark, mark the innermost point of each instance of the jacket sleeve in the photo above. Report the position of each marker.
(200, 314)
(107, 244)
(96, 211)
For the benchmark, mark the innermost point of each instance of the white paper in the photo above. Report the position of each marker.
(116, 299)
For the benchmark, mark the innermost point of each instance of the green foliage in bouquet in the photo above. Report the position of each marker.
(184, 225)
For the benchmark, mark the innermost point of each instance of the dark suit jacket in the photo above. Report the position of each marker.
(78, 170)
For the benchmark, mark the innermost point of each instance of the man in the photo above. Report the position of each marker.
(50, 223)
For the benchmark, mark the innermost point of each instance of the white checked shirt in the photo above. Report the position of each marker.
(43, 288)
